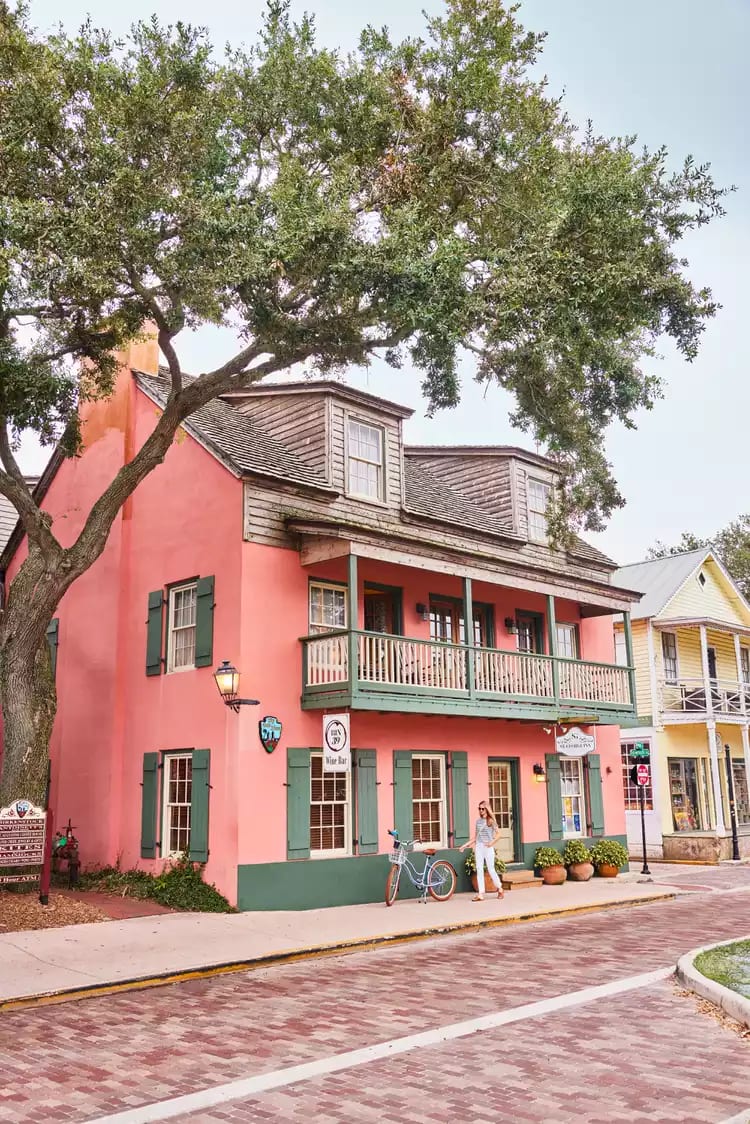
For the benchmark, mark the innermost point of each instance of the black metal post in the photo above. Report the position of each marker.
(642, 800)
(732, 809)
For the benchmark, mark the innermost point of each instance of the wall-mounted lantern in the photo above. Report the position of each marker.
(539, 774)
(511, 625)
(423, 611)
(228, 683)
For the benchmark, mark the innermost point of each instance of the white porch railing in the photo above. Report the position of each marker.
(689, 696)
(398, 662)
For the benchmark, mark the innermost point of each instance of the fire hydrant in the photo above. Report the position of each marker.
(65, 849)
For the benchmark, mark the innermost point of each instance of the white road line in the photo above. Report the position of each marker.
(263, 1082)
(741, 1118)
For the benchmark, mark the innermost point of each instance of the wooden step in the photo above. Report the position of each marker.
(520, 880)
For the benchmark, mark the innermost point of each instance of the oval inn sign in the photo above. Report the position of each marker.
(575, 743)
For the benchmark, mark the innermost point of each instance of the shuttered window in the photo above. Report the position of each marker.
(189, 638)
(319, 806)
(183, 602)
(183, 798)
(178, 795)
(428, 799)
(330, 810)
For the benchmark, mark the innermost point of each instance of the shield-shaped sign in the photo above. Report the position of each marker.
(270, 732)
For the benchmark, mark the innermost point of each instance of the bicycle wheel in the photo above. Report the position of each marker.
(442, 881)
(391, 886)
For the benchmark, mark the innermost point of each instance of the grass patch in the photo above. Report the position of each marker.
(180, 886)
(728, 966)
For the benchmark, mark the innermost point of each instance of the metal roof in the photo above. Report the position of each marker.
(659, 579)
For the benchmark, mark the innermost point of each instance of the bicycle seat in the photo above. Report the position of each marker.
(431, 851)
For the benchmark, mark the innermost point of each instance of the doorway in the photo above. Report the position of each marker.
(503, 790)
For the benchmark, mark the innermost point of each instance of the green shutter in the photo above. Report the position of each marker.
(201, 788)
(460, 798)
(149, 795)
(154, 632)
(596, 801)
(554, 796)
(367, 801)
(402, 794)
(298, 804)
(204, 623)
(53, 629)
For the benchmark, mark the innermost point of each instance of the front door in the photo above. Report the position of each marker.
(501, 802)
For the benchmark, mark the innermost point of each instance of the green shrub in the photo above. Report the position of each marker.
(608, 852)
(547, 856)
(179, 886)
(575, 851)
(470, 863)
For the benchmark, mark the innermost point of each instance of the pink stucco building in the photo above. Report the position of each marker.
(291, 532)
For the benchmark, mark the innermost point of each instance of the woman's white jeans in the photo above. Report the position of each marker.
(485, 856)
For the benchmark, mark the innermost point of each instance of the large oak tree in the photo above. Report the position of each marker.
(414, 200)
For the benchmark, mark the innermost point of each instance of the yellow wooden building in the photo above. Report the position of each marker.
(691, 651)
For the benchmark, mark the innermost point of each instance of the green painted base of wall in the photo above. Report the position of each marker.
(318, 883)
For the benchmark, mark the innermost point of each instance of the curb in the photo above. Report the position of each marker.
(735, 1005)
(360, 944)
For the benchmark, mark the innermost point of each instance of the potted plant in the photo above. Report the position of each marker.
(470, 866)
(549, 862)
(608, 856)
(577, 859)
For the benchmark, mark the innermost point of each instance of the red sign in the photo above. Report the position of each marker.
(642, 774)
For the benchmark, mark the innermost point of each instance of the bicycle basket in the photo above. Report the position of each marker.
(398, 857)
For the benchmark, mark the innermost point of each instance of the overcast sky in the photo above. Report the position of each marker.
(670, 71)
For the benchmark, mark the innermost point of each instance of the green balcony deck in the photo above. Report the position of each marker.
(395, 673)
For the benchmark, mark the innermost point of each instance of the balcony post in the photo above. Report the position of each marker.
(552, 645)
(715, 778)
(706, 680)
(352, 623)
(629, 656)
(469, 636)
(740, 681)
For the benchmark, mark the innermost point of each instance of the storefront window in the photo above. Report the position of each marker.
(571, 783)
(741, 795)
(630, 790)
(683, 794)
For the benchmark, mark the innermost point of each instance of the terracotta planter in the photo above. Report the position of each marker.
(489, 885)
(605, 870)
(580, 872)
(554, 875)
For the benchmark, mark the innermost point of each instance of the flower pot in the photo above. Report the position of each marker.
(606, 870)
(489, 885)
(554, 875)
(580, 872)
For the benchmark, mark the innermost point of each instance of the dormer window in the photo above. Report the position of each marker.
(364, 473)
(538, 496)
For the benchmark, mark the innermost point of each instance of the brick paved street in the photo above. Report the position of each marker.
(644, 1055)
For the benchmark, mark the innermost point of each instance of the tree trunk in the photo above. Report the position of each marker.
(29, 701)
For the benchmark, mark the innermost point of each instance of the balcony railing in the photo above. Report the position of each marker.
(395, 663)
(689, 696)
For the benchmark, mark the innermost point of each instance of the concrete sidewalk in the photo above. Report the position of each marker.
(82, 958)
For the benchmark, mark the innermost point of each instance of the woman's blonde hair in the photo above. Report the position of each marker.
(490, 814)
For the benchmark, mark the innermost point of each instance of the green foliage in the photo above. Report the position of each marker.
(575, 851)
(547, 856)
(180, 886)
(416, 200)
(731, 543)
(729, 965)
(608, 852)
(470, 863)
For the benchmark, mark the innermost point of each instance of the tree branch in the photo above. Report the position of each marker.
(13, 487)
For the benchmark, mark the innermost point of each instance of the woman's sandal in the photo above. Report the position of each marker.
(477, 899)
(500, 894)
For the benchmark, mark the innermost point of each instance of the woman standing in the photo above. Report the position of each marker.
(486, 835)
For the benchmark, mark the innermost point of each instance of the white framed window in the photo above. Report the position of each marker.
(669, 655)
(745, 664)
(183, 600)
(567, 641)
(571, 786)
(630, 790)
(428, 799)
(177, 796)
(327, 607)
(537, 498)
(330, 810)
(621, 650)
(364, 470)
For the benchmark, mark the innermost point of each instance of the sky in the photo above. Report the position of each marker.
(671, 72)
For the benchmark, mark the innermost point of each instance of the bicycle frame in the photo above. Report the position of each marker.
(419, 879)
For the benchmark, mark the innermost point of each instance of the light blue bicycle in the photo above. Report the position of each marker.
(438, 879)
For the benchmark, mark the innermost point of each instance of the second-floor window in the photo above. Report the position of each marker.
(745, 664)
(669, 655)
(365, 460)
(538, 498)
(621, 650)
(327, 607)
(183, 602)
(567, 641)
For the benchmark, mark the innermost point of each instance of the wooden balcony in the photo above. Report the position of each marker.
(394, 673)
(687, 700)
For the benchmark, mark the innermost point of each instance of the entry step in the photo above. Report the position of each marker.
(520, 880)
